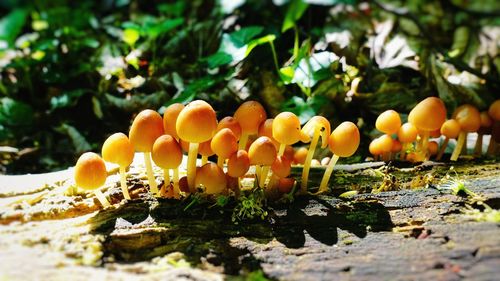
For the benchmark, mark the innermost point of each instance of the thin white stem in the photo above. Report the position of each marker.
(123, 183)
(176, 181)
(458, 148)
(323, 187)
(265, 172)
(243, 141)
(101, 198)
(281, 151)
(442, 148)
(191, 166)
(307, 163)
(151, 176)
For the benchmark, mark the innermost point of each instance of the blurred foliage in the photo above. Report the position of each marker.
(73, 72)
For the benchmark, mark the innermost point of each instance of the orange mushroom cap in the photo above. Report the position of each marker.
(300, 155)
(433, 147)
(494, 110)
(170, 119)
(407, 133)
(238, 164)
(249, 115)
(197, 122)
(211, 177)
(385, 143)
(486, 120)
(167, 153)
(428, 115)
(374, 147)
(344, 140)
(262, 152)
(224, 143)
(468, 117)
(90, 171)
(450, 129)
(146, 128)
(285, 185)
(396, 146)
(281, 167)
(232, 124)
(266, 130)
(388, 122)
(289, 152)
(286, 129)
(205, 148)
(323, 124)
(118, 149)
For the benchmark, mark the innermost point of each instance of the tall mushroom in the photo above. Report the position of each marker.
(170, 119)
(286, 130)
(146, 128)
(167, 154)
(212, 178)
(316, 126)
(450, 129)
(262, 154)
(249, 115)
(118, 149)
(224, 143)
(195, 124)
(90, 174)
(469, 119)
(343, 142)
(407, 134)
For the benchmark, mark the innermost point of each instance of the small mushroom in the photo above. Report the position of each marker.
(450, 129)
(238, 165)
(300, 155)
(195, 124)
(205, 150)
(494, 113)
(232, 124)
(343, 142)
(249, 115)
(286, 130)
(469, 119)
(146, 128)
(388, 122)
(385, 143)
(118, 149)
(167, 154)
(224, 143)
(170, 119)
(407, 134)
(90, 174)
(396, 148)
(281, 168)
(316, 126)
(212, 178)
(266, 130)
(486, 124)
(427, 116)
(262, 154)
(374, 149)
(433, 148)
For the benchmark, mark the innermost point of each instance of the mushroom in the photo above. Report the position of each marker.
(238, 165)
(232, 124)
(249, 115)
(427, 116)
(343, 142)
(494, 113)
(205, 150)
(118, 149)
(212, 178)
(316, 126)
(486, 123)
(388, 122)
(433, 148)
(90, 174)
(407, 134)
(374, 149)
(285, 185)
(450, 129)
(385, 143)
(266, 130)
(224, 143)
(167, 154)
(396, 147)
(281, 168)
(146, 128)
(469, 119)
(170, 119)
(195, 124)
(300, 155)
(286, 130)
(262, 154)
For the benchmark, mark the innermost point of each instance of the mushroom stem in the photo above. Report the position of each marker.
(258, 172)
(123, 182)
(176, 181)
(386, 156)
(323, 187)
(243, 141)
(478, 149)
(166, 176)
(307, 163)
(272, 182)
(101, 198)
(492, 147)
(191, 165)
(425, 142)
(263, 178)
(220, 162)
(458, 148)
(151, 176)
(281, 151)
(204, 159)
(402, 154)
(442, 149)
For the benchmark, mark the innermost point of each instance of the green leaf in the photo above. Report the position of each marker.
(130, 36)
(12, 24)
(96, 107)
(15, 113)
(155, 30)
(67, 99)
(294, 12)
(138, 101)
(286, 74)
(244, 35)
(259, 41)
(218, 59)
(79, 142)
(305, 110)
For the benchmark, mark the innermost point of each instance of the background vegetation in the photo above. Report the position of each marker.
(72, 72)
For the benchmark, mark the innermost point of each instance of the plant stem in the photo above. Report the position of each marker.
(442, 149)
(323, 187)
(191, 166)
(151, 176)
(176, 182)
(275, 57)
(123, 183)
(307, 163)
(265, 172)
(458, 148)
(101, 198)
(166, 177)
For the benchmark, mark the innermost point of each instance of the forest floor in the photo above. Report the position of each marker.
(418, 230)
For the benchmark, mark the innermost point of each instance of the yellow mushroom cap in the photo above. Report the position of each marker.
(286, 129)
(323, 124)
(407, 133)
(428, 115)
(262, 152)
(468, 117)
(374, 147)
(266, 130)
(238, 164)
(224, 143)
(118, 149)
(167, 153)
(494, 110)
(146, 128)
(170, 119)
(281, 167)
(388, 122)
(250, 114)
(344, 140)
(90, 171)
(433, 147)
(450, 129)
(211, 177)
(385, 143)
(232, 124)
(197, 122)
(300, 155)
